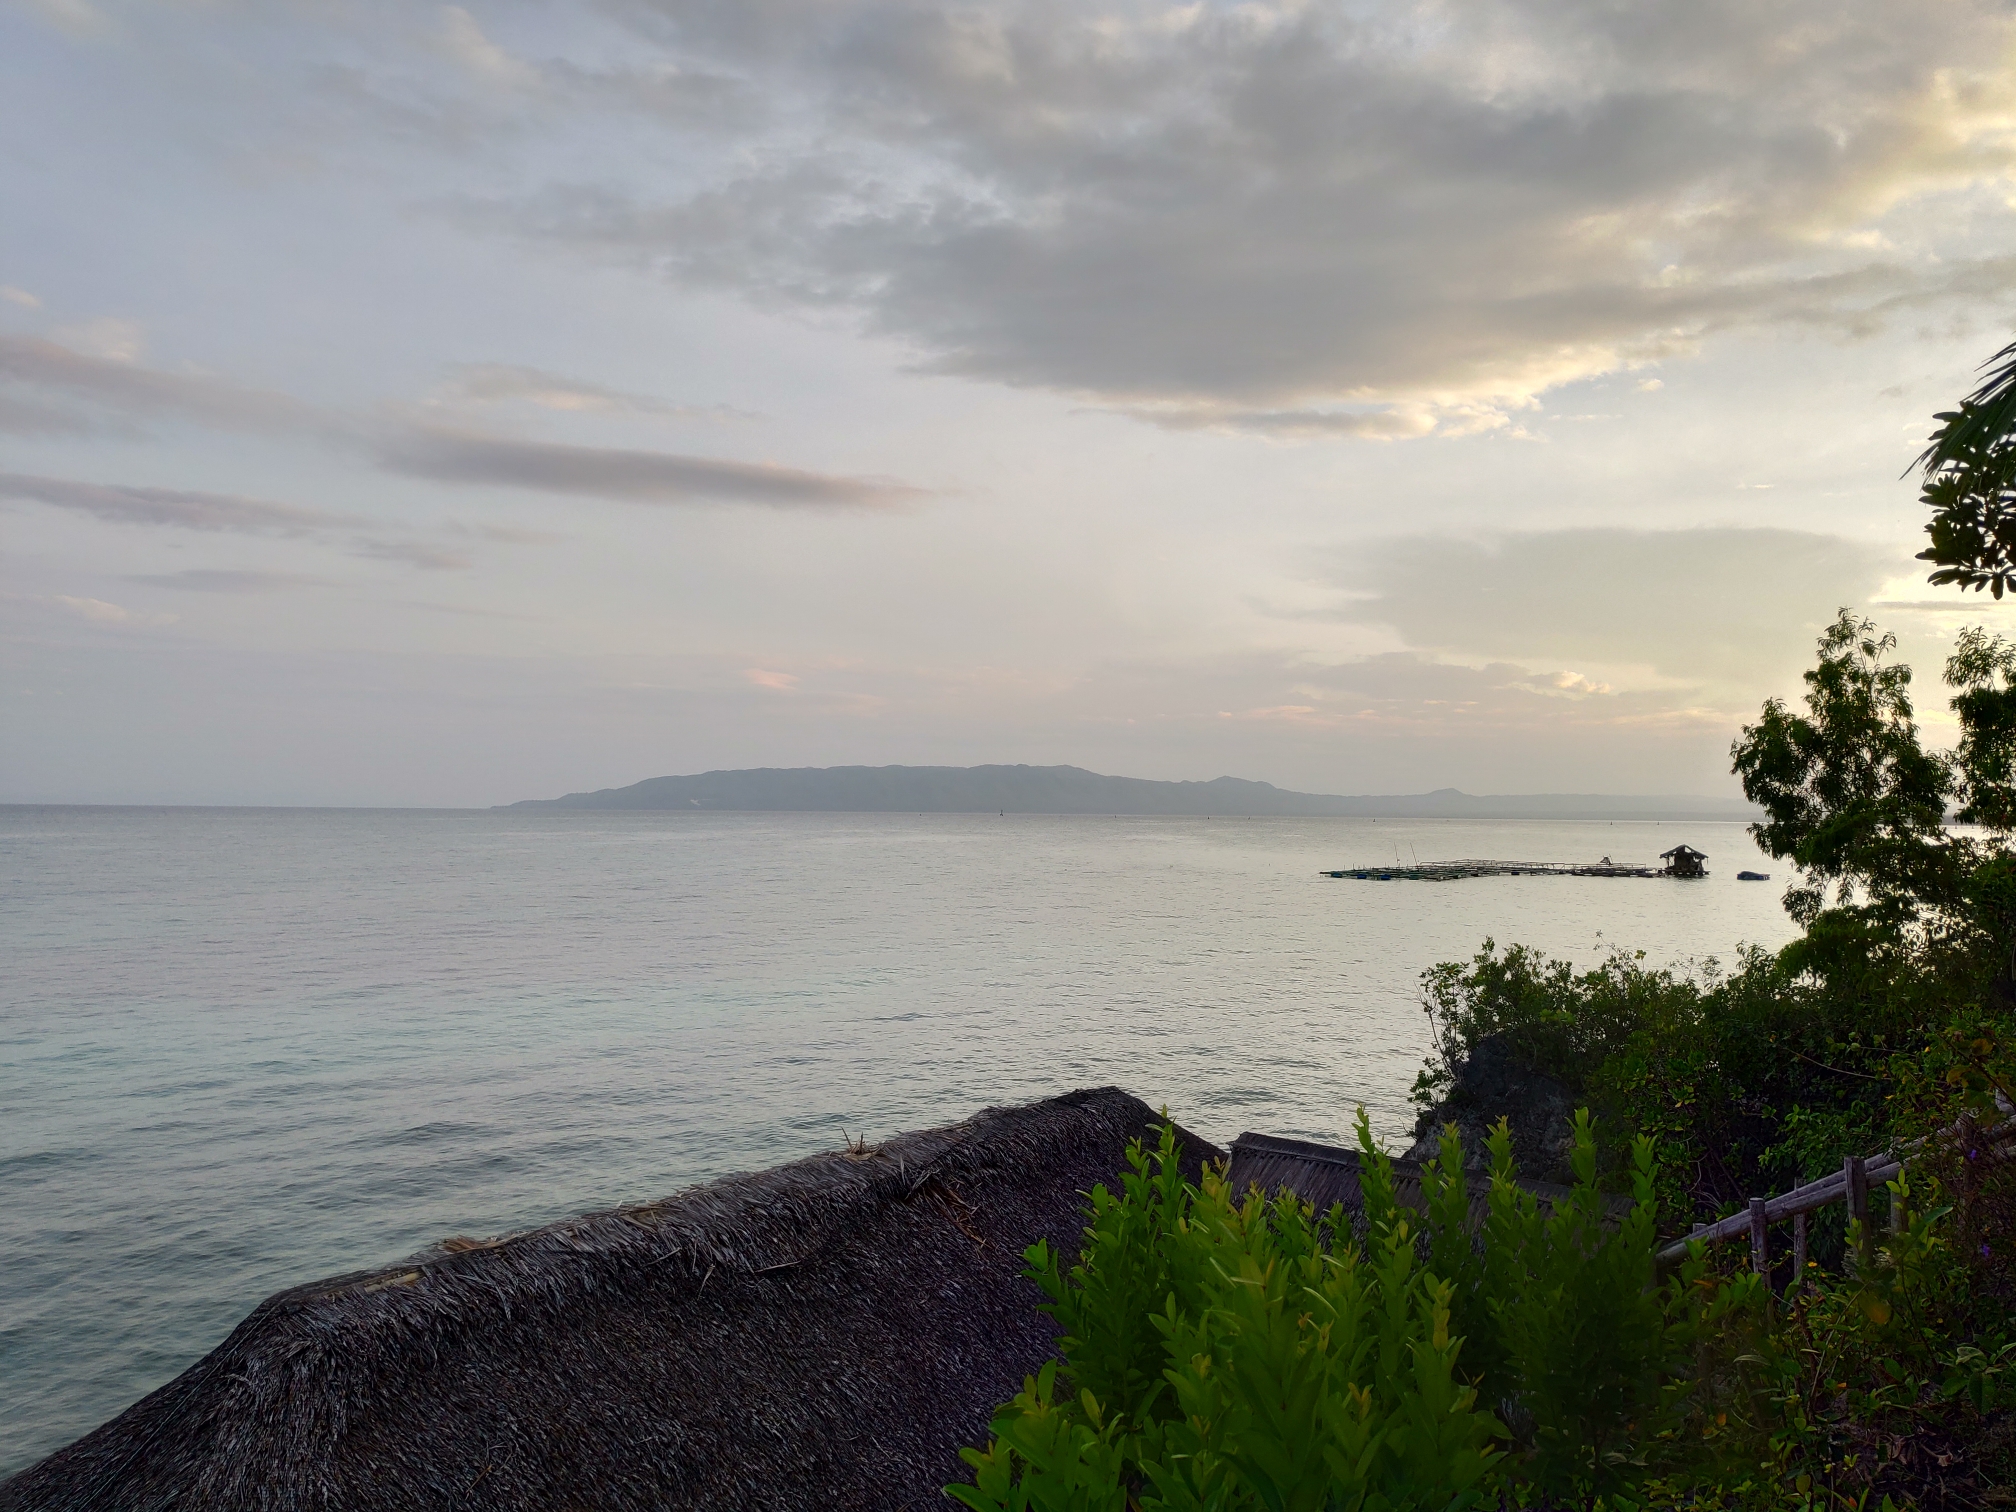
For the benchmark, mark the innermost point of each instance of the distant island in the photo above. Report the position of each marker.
(1073, 790)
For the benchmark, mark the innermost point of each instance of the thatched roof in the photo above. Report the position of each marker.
(1323, 1174)
(823, 1335)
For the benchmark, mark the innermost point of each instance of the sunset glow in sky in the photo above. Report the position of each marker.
(413, 404)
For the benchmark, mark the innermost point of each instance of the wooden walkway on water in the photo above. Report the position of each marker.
(1453, 871)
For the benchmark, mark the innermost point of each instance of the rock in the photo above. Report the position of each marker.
(1493, 1084)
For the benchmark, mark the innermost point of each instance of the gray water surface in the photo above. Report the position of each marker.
(241, 1049)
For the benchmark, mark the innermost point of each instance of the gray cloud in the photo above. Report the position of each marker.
(684, 97)
(1704, 604)
(499, 382)
(508, 535)
(413, 553)
(1268, 209)
(467, 611)
(228, 580)
(422, 451)
(183, 509)
(1405, 690)
(30, 417)
(129, 389)
(640, 477)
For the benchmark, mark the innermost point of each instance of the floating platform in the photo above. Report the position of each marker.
(1455, 871)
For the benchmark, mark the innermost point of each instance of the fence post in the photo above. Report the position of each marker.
(1798, 1251)
(1760, 1240)
(1858, 1207)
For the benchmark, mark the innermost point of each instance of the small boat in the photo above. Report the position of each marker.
(1753, 876)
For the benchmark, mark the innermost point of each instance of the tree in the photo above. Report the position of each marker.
(1983, 670)
(1850, 796)
(1970, 484)
(1859, 806)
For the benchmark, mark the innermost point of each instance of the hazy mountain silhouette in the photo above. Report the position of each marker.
(1073, 790)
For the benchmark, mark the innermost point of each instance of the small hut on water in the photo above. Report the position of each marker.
(824, 1335)
(1684, 861)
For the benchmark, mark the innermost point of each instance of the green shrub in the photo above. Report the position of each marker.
(1301, 1362)
(1893, 1383)
(1748, 1081)
(1230, 1352)
(1293, 1366)
(1580, 1319)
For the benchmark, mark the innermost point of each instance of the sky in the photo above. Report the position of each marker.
(446, 405)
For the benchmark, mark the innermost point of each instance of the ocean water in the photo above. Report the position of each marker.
(242, 1049)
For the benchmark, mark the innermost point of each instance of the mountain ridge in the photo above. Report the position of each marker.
(1024, 789)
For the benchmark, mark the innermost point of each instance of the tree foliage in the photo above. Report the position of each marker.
(1305, 1363)
(1410, 1362)
(1970, 485)
(1850, 795)
(1855, 802)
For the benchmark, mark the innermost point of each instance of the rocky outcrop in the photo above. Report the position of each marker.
(1491, 1084)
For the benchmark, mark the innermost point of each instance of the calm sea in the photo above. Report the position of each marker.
(241, 1049)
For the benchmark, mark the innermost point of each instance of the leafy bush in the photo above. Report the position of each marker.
(1403, 1362)
(1748, 1081)
(1289, 1369)
(1306, 1362)
(1894, 1382)
(1579, 1318)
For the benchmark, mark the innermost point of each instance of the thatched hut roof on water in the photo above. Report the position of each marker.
(826, 1334)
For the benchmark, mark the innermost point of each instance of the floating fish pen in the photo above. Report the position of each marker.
(1454, 871)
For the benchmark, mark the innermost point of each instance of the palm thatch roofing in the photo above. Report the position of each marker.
(1323, 1174)
(826, 1334)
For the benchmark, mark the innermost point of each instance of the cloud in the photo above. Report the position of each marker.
(1715, 604)
(121, 385)
(1458, 716)
(108, 339)
(1391, 423)
(501, 382)
(96, 610)
(1407, 690)
(463, 40)
(1283, 713)
(183, 509)
(74, 18)
(421, 451)
(509, 535)
(19, 297)
(1276, 209)
(667, 92)
(413, 553)
(228, 580)
(777, 682)
(641, 477)
(30, 417)
(466, 610)
(442, 454)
